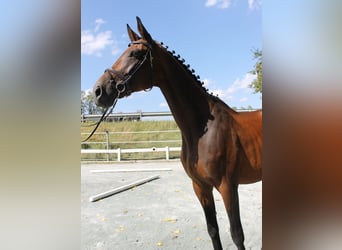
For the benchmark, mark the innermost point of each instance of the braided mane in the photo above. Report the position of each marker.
(187, 68)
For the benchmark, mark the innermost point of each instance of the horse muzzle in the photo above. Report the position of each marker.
(101, 97)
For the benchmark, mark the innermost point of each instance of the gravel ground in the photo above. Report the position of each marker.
(161, 214)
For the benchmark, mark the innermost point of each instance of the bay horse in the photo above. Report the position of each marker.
(221, 148)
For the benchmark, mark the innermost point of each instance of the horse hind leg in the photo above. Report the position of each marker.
(230, 197)
(205, 196)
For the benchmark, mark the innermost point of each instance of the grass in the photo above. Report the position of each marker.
(130, 134)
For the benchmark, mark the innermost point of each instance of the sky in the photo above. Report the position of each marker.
(216, 37)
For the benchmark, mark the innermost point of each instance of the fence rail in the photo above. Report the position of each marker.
(119, 151)
(131, 116)
(135, 116)
(106, 141)
(148, 146)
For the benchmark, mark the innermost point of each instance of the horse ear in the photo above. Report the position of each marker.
(132, 35)
(143, 32)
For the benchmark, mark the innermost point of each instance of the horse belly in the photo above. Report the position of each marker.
(247, 174)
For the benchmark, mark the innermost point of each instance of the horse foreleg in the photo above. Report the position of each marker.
(230, 197)
(206, 199)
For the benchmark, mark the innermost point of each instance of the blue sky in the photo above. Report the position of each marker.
(216, 37)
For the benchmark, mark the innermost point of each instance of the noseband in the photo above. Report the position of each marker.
(123, 86)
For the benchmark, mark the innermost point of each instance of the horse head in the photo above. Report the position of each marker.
(132, 71)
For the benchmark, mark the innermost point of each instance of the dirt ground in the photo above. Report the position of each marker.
(161, 214)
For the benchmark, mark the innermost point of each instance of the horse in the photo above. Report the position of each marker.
(221, 148)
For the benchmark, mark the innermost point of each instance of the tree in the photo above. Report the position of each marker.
(88, 105)
(257, 83)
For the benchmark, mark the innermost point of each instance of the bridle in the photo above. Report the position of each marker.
(122, 85)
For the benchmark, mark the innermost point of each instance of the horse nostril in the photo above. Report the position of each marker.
(98, 91)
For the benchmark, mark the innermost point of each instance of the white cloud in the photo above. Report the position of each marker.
(210, 3)
(93, 44)
(253, 4)
(223, 94)
(163, 105)
(222, 4)
(210, 84)
(237, 86)
(98, 23)
(207, 82)
(88, 91)
(241, 83)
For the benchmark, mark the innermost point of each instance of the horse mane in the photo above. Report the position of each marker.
(190, 70)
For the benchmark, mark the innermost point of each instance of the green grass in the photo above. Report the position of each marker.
(120, 137)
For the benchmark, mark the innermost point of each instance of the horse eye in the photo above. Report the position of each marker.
(137, 54)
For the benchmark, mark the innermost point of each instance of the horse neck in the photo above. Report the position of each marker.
(188, 102)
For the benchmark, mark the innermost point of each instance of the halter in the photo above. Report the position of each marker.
(122, 86)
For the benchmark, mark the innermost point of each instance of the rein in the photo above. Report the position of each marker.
(122, 86)
(103, 117)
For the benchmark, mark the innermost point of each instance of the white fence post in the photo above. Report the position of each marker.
(107, 137)
(119, 154)
(167, 153)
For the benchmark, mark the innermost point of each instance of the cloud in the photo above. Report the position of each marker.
(221, 4)
(163, 105)
(224, 4)
(253, 4)
(241, 83)
(88, 91)
(207, 82)
(237, 86)
(93, 42)
(223, 94)
(98, 23)
(210, 84)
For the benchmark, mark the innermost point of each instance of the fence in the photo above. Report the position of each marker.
(132, 116)
(135, 116)
(131, 145)
(146, 149)
(119, 151)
